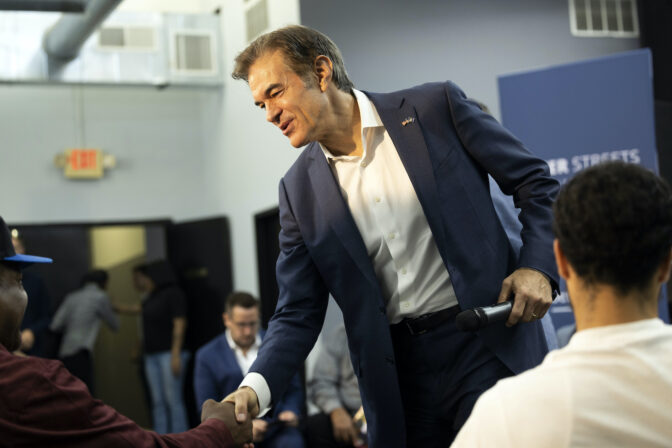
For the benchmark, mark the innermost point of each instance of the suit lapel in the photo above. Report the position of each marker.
(230, 356)
(412, 149)
(337, 213)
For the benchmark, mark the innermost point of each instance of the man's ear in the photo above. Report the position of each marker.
(225, 318)
(324, 70)
(561, 260)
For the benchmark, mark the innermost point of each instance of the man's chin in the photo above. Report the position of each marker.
(297, 141)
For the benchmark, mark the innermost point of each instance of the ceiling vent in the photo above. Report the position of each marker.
(131, 48)
(256, 18)
(193, 53)
(127, 38)
(603, 18)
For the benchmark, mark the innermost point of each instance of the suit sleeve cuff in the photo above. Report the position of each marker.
(259, 385)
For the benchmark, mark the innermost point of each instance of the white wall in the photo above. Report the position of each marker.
(254, 155)
(394, 44)
(157, 137)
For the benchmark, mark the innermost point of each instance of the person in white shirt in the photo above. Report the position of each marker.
(388, 209)
(612, 384)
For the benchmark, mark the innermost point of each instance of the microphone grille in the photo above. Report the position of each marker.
(467, 320)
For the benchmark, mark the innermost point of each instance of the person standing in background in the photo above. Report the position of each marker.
(164, 322)
(78, 318)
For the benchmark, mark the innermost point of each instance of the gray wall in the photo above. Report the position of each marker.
(161, 140)
(393, 44)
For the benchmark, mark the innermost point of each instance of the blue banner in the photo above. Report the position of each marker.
(580, 114)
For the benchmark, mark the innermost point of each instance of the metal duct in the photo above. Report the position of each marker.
(43, 5)
(68, 35)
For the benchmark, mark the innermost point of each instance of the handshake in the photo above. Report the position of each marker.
(237, 411)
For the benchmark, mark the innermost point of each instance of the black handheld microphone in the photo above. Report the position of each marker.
(477, 318)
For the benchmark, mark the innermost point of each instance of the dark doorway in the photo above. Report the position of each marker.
(200, 253)
(267, 225)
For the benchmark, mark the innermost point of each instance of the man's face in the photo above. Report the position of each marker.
(297, 109)
(243, 324)
(13, 301)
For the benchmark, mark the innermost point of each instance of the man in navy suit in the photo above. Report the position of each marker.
(222, 363)
(389, 210)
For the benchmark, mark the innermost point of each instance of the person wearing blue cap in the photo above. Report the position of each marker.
(44, 405)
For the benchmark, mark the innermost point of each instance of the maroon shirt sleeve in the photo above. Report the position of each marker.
(44, 405)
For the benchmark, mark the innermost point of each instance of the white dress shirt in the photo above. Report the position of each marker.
(388, 215)
(610, 386)
(413, 279)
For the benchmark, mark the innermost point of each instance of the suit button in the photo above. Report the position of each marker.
(389, 360)
(382, 310)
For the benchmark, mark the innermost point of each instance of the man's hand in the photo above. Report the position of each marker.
(175, 364)
(27, 339)
(246, 402)
(344, 428)
(259, 428)
(240, 432)
(532, 295)
(289, 418)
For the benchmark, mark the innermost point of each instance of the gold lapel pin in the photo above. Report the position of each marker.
(408, 120)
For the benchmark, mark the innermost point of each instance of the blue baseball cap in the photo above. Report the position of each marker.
(7, 252)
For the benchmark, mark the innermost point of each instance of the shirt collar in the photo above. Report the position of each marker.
(232, 344)
(619, 334)
(368, 116)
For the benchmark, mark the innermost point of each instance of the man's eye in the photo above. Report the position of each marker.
(276, 93)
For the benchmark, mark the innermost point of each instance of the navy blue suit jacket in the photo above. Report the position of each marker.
(217, 374)
(447, 151)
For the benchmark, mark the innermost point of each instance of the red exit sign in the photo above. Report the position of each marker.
(84, 163)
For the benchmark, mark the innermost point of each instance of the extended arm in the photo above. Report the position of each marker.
(107, 314)
(298, 318)
(528, 179)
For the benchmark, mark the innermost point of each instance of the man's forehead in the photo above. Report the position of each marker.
(269, 68)
(240, 311)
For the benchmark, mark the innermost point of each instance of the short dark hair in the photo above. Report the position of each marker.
(98, 276)
(242, 299)
(301, 45)
(613, 222)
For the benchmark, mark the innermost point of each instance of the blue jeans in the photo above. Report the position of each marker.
(168, 411)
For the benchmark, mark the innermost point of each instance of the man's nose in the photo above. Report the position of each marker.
(272, 114)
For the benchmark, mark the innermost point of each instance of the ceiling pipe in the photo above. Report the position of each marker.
(43, 5)
(64, 40)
